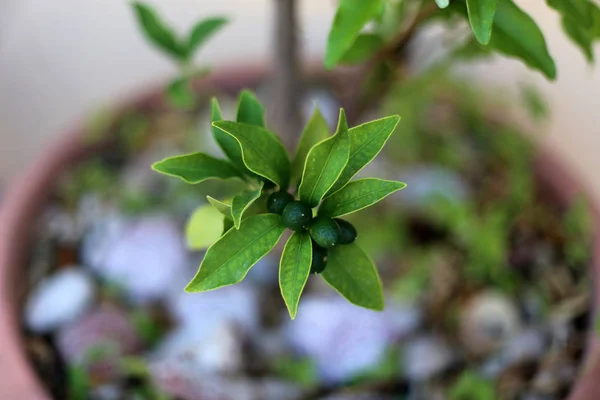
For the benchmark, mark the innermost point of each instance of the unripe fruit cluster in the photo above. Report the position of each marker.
(325, 232)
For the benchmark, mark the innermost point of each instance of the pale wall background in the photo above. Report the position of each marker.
(62, 59)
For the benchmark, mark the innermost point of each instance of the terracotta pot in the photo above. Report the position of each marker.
(26, 198)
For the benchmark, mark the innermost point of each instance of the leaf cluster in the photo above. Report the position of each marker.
(241, 230)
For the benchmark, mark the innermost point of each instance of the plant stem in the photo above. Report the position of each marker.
(287, 74)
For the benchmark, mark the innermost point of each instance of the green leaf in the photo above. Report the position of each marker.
(196, 167)
(242, 202)
(221, 206)
(294, 269)
(315, 131)
(580, 21)
(366, 142)
(357, 195)
(481, 17)
(442, 3)
(353, 275)
(324, 164)
(202, 31)
(228, 144)
(204, 227)
(517, 35)
(364, 47)
(228, 260)
(262, 151)
(158, 33)
(180, 94)
(249, 110)
(350, 18)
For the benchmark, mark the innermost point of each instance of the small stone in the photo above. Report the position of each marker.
(98, 340)
(343, 339)
(428, 182)
(145, 256)
(488, 321)
(59, 299)
(425, 357)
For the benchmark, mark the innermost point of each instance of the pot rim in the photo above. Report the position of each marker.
(28, 193)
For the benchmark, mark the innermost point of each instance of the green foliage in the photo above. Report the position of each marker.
(580, 21)
(303, 371)
(324, 164)
(202, 31)
(471, 386)
(196, 168)
(481, 17)
(294, 269)
(349, 20)
(238, 233)
(365, 46)
(357, 195)
(578, 230)
(353, 275)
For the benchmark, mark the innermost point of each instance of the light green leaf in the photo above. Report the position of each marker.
(442, 3)
(204, 227)
(242, 202)
(364, 47)
(580, 21)
(357, 195)
(350, 18)
(228, 144)
(158, 33)
(222, 206)
(315, 131)
(481, 17)
(366, 142)
(249, 110)
(517, 35)
(262, 151)
(228, 260)
(180, 94)
(324, 164)
(202, 31)
(294, 269)
(353, 275)
(196, 167)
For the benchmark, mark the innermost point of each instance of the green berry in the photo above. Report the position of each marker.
(296, 215)
(277, 202)
(348, 231)
(325, 232)
(319, 259)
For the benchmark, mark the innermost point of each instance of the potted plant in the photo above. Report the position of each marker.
(456, 244)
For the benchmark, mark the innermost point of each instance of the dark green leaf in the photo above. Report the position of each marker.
(364, 47)
(350, 18)
(249, 110)
(324, 164)
(196, 167)
(580, 21)
(228, 144)
(357, 195)
(242, 202)
(204, 227)
(158, 32)
(294, 269)
(262, 151)
(366, 141)
(353, 275)
(228, 260)
(180, 94)
(481, 17)
(315, 131)
(202, 31)
(517, 35)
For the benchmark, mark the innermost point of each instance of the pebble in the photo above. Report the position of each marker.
(145, 256)
(488, 321)
(425, 357)
(59, 299)
(343, 339)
